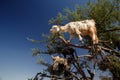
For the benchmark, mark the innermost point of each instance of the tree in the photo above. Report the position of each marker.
(104, 56)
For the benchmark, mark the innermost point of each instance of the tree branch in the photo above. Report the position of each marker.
(90, 47)
(110, 30)
(74, 45)
(45, 75)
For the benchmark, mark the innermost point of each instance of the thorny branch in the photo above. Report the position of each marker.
(102, 51)
(90, 47)
(110, 30)
(45, 75)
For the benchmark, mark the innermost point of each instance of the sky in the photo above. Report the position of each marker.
(20, 19)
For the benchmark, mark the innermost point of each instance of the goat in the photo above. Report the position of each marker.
(79, 28)
(58, 60)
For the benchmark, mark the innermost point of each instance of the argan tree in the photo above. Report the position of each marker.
(85, 60)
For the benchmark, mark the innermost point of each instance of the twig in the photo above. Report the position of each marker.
(90, 56)
(73, 74)
(74, 45)
(91, 74)
(54, 76)
(79, 68)
(110, 30)
(108, 50)
(45, 75)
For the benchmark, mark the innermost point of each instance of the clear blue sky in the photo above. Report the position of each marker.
(20, 19)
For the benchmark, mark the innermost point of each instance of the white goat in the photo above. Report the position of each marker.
(79, 28)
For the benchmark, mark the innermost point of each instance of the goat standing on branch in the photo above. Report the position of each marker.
(79, 28)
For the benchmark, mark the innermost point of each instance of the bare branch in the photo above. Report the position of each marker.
(110, 30)
(74, 45)
(45, 75)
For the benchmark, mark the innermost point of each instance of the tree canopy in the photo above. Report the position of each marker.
(104, 57)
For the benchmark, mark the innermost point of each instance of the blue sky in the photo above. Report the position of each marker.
(20, 19)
